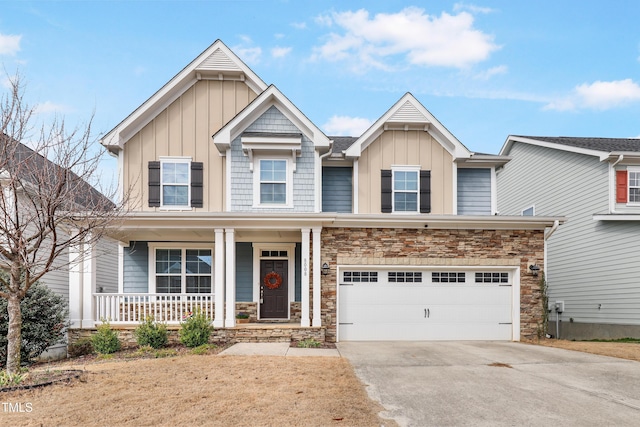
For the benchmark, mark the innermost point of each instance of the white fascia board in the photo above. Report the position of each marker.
(602, 155)
(431, 125)
(270, 97)
(114, 140)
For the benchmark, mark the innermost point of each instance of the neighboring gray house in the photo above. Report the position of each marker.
(593, 261)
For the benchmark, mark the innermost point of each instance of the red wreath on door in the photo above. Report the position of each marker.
(272, 280)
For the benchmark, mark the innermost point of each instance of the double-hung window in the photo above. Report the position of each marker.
(405, 190)
(273, 182)
(183, 270)
(175, 182)
(634, 186)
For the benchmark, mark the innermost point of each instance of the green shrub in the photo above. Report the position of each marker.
(80, 348)
(151, 333)
(309, 343)
(105, 340)
(44, 321)
(196, 330)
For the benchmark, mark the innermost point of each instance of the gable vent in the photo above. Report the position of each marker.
(408, 113)
(218, 61)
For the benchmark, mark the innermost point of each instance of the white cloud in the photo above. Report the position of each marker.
(494, 71)
(280, 52)
(598, 95)
(9, 45)
(249, 53)
(299, 25)
(50, 107)
(425, 40)
(347, 126)
(471, 8)
(323, 20)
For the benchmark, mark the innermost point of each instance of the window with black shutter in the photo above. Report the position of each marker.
(176, 183)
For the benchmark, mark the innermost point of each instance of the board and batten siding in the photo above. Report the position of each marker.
(593, 266)
(474, 191)
(136, 268)
(184, 128)
(415, 148)
(337, 189)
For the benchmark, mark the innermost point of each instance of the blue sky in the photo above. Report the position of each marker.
(485, 69)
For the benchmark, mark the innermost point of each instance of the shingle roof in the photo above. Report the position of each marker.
(599, 144)
(341, 143)
(30, 166)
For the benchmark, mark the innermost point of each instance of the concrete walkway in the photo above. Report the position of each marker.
(277, 349)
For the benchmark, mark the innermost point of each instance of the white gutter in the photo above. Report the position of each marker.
(553, 229)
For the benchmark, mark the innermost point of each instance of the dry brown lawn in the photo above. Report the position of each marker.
(622, 350)
(202, 390)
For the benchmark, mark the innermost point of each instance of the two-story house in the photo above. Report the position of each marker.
(240, 203)
(593, 263)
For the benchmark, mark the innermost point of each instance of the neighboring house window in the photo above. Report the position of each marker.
(530, 211)
(175, 183)
(406, 189)
(634, 186)
(183, 271)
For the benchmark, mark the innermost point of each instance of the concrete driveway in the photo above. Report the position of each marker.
(496, 383)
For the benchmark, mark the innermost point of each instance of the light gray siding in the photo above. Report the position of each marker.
(244, 271)
(107, 266)
(136, 267)
(303, 178)
(474, 191)
(594, 267)
(337, 189)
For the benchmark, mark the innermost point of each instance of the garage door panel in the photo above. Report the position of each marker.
(425, 311)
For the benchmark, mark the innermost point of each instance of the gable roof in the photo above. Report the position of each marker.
(32, 168)
(602, 148)
(217, 62)
(409, 112)
(268, 98)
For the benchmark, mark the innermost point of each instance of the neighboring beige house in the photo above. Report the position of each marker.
(240, 203)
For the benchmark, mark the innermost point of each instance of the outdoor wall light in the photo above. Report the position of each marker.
(534, 269)
(325, 269)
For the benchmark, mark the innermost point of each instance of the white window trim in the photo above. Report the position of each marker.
(186, 160)
(532, 207)
(183, 247)
(395, 169)
(289, 184)
(634, 169)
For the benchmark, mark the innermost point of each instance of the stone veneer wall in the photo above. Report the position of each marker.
(424, 247)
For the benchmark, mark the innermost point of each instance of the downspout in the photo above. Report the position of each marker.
(321, 157)
(548, 235)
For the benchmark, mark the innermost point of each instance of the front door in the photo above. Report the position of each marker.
(274, 289)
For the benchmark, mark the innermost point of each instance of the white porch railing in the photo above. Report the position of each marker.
(166, 308)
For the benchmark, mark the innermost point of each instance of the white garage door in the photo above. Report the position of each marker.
(425, 305)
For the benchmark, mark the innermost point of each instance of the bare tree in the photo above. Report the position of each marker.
(46, 203)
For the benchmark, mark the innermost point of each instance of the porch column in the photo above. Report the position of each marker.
(304, 320)
(218, 280)
(317, 271)
(75, 287)
(230, 288)
(88, 285)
